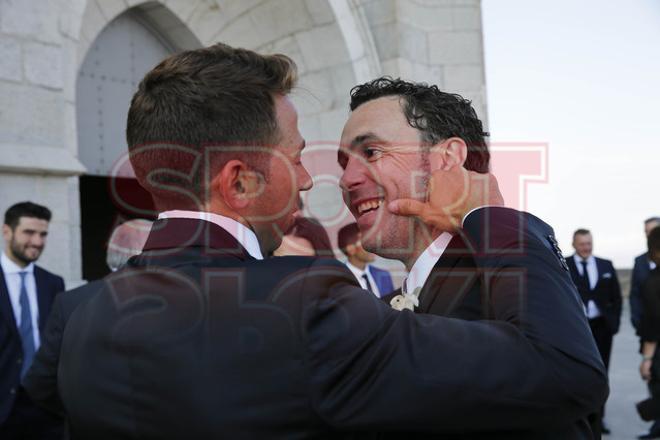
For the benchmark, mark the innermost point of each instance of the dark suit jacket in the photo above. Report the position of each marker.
(606, 294)
(198, 340)
(649, 329)
(11, 350)
(41, 379)
(461, 286)
(383, 280)
(640, 273)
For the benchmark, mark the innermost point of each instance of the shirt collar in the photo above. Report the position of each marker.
(244, 235)
(578, 259)
(8, 266)
(356, 270)
(424, 264)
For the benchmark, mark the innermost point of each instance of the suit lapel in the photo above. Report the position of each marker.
(44, 296)
(447, 283)
(5, 305)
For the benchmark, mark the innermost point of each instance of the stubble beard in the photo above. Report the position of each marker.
(19, 253)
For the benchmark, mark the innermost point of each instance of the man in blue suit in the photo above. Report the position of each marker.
(641, 269)
(599, 289)
(377, 281)
(26, 294)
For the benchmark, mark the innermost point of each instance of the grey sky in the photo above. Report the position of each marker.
(583, 77)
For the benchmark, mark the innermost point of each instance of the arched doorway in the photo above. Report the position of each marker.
(128, 47)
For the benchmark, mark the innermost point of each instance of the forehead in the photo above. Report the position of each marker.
(383, 117)
(32, 223)
(583, 237)
(287, 118)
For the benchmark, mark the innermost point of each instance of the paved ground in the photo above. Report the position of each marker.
(626, 387)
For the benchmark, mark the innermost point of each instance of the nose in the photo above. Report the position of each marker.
(353, 176)
(37, 240)
(305, 181)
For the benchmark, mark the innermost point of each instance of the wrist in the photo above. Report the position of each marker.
(647, 358)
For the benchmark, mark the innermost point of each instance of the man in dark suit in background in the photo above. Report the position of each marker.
(27, 292)
(375, 280)
(200, 337)
(398, 137)
(641, 269)
(599, 289)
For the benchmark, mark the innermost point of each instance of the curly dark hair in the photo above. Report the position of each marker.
(436, 114)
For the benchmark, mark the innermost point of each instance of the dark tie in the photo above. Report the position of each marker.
(366, 279)
(25, 328)
(585, 274)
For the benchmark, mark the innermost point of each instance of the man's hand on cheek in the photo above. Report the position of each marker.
(452, 193)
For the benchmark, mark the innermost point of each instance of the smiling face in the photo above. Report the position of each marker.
(26, 241)
(583, 245)
(382, 159)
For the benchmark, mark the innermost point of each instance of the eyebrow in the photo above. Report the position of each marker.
(363, 138)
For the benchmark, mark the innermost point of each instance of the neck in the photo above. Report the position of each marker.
(420, 244)
(20, 263)
(357, 262)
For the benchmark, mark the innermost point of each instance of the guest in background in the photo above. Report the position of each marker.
(126, 241)
(307, 237)
(649, 328)
(599, 289)
(641, 269)
(377, 281)
(26, 294)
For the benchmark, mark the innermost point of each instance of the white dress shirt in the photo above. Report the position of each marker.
(11, 271)
(359, 276)
(592, 270)
(244, 235)
(423, 265)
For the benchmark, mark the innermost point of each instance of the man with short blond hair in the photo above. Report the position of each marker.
(599, 288)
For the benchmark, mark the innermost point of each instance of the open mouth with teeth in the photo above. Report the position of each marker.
(369, 205)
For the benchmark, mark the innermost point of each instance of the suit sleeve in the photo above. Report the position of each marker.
(372, 366)
(635, 298)
(41, 379)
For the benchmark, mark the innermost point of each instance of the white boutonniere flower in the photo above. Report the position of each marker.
(406, 301)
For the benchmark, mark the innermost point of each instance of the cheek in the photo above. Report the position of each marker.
(402, 177)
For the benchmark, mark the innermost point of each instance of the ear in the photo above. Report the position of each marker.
(350, 250)
(6, 233)
(237, 184)
(448, 154)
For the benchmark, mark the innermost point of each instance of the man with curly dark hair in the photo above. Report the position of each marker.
(399, 138)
